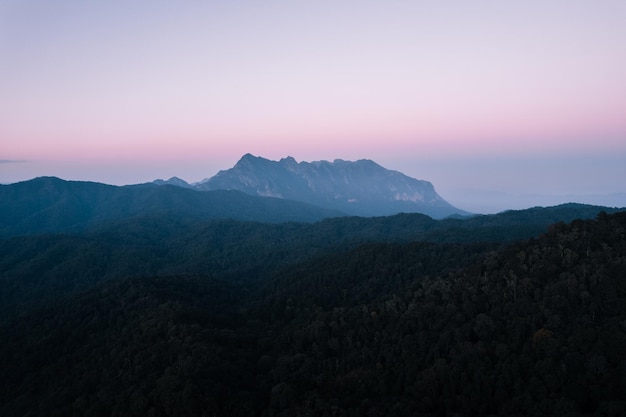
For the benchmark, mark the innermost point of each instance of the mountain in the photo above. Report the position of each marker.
(49, 204)
(361, 188)
(173, 181)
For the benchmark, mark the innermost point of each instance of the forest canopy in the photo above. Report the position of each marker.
(236, 318)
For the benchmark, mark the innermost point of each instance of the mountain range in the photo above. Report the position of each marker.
(50, 204)
(361, 188)
(170, 298)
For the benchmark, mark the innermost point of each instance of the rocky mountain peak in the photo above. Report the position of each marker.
(362, 187)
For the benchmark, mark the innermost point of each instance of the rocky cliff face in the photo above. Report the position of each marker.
(360, 188)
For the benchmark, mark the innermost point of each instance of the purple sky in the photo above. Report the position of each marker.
(481, 98)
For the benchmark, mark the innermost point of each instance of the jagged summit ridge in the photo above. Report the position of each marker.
(360, 187)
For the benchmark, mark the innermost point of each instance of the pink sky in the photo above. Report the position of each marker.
(131, 91)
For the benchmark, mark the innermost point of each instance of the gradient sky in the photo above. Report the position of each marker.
(516, 97)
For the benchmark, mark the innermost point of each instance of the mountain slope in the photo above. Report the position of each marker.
(361, 188)
(50, 204)
(37, 269)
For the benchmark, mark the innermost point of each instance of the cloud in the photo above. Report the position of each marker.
(11, 161)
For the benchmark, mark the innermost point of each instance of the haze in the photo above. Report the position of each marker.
(498, 104)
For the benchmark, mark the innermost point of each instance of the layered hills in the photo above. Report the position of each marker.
(49, 204)
(255, 189)
(164, 299)
(37, 268)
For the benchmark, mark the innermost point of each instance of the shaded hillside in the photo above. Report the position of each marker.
(534, 328)
(512, 225)
(120, 350)
(34, 269)
(538, 328)
(50, 204)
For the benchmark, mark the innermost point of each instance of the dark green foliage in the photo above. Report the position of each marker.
(159, 346)
(36, 268)
(346, 317)
(538, 328)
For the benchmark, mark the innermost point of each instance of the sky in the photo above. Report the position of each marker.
(500, 104)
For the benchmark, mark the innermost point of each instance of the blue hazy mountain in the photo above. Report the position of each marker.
(173, 181)
(361, 188)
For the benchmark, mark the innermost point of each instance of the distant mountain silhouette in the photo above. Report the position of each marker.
(361, 188)
(49, 204)
(173, 181)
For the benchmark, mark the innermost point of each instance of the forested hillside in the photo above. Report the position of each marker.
(37, 269)
(52, 205)
(396, 327)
